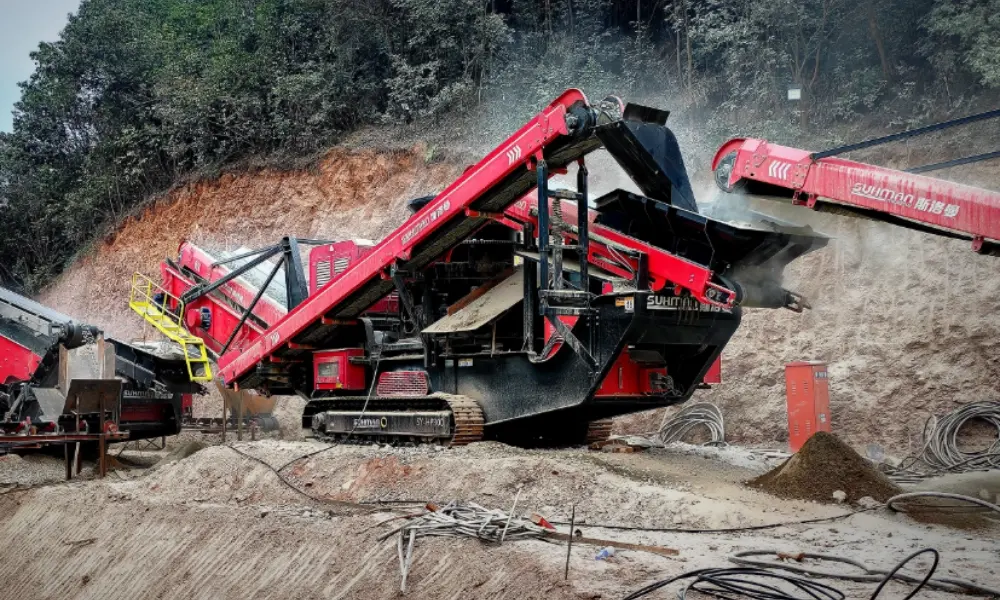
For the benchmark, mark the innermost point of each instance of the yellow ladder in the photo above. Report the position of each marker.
(165, 312)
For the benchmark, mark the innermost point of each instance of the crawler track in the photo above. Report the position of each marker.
(396, 420)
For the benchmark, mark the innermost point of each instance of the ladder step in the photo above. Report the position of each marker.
(193, 347)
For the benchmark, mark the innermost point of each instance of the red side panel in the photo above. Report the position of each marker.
(807, 389)
(628, 378)
(223, 318)
(714, 374)
(328, 262)
(142, 413)
(664, 268)
(333, 370)
(17, 363)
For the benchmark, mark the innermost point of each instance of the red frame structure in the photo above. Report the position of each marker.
(201, 262)
(664, 268)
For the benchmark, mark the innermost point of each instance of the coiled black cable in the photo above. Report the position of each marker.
(762, 583)
(743, 582)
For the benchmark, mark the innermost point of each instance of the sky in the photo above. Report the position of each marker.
(23, 24)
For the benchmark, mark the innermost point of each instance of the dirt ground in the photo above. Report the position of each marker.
(217, 525)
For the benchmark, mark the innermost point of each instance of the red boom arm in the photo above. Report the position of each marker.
(949, 208)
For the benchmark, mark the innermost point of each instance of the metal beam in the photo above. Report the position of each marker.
(583, 225)
(295, 280)
(954, 163)
(567, 335)
(543, 228)
(199, 291)
(249, 310)
(906, 134)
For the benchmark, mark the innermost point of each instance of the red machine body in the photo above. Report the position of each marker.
(195, 260)
(922, 202)
(214, 317)
(222, 320)
(485, 312)
(17, 363)
(605, 252)
(630, 378)
(447, 209)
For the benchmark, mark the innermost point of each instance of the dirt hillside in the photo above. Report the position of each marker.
(908, 322)
(348, 194)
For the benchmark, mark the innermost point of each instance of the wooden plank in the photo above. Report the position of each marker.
(618, 545)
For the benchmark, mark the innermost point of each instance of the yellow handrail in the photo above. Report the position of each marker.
(142, 290)
(165, 312)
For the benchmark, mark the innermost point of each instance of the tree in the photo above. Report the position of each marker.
(973, 26)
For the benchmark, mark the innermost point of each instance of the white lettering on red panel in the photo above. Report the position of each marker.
(880, 194)
(425, 221)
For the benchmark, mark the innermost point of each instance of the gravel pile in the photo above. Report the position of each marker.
(824, 466)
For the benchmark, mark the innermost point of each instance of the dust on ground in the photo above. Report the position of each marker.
(908, 322)
(220, 525)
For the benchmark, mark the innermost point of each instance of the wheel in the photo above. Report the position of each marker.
(722, 173)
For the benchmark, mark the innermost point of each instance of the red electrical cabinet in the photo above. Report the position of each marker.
(807, 389)
(333, 369)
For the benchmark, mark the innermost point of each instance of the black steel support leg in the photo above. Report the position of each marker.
(543, 228)
(406, 299)
(583, 225)
(530, 272)
(295, 279)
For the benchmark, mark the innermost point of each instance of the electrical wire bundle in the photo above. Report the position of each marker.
(700, 414)
(761, 580)
(941, 451)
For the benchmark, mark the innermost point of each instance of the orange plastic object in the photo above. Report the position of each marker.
(807, 389)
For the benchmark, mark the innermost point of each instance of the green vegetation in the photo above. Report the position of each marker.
(139, 93)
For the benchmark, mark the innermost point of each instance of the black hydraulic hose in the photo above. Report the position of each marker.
(906, 134)
(892, 573)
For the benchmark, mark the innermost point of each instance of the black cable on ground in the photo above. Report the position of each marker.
(866, 574)
(893, 502)
(722, 530)
(758, 584)
(760, 579)
(305, 456)
(941, 453)
(892, 573)
(364, 408)
(294, 487)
